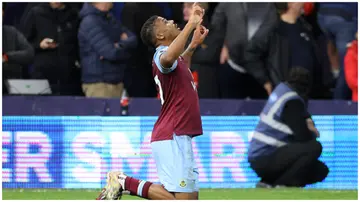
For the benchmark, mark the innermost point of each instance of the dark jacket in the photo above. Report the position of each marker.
(60, 25)
(19, 53)
(16, 47)
(267, 58)
(230, 20)
(98, 33)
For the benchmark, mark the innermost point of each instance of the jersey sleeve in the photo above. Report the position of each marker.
(158, 53)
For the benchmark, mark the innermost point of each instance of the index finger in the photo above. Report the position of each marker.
(197, 6)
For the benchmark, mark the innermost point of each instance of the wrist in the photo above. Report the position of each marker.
(193, 45)
(190, 25)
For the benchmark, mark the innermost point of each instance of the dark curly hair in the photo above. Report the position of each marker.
(301, 80)
(147, 31)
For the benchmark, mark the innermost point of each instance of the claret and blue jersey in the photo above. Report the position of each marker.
(180, 111)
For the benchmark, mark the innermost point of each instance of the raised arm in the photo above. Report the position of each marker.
(199, 36)
(176, 48)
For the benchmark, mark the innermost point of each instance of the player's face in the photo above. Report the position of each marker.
(166, 29)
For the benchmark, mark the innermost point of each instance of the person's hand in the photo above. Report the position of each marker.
(48, 43)
(199, 36)
(124, 36)
(268, 87)
(116, 45)
(224, 55)
(196, 16)
(312, 127)
(4, 58)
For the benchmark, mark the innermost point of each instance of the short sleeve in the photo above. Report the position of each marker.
(159, 51)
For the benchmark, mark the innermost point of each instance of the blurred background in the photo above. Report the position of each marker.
(71, 46)
(73, 71)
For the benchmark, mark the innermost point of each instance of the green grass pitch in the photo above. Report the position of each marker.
(205, 194)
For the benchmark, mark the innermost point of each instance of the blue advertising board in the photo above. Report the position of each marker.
(77, 151)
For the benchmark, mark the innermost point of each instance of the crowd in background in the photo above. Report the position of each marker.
(94, 49)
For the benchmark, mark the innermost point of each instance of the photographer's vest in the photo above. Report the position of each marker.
(272, 133)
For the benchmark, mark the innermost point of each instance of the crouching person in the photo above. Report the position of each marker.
(283, 150)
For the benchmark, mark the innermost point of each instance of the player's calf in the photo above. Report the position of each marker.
(152, 191)
(132, 186)
(144, 189)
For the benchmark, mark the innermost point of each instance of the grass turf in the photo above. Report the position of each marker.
(205, 194)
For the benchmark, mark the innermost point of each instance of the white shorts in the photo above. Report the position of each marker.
(176, 165)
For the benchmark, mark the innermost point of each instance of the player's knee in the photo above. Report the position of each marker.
(323, 171)
(315, 148)
(169, 197)
(186, 196)
(195, 196)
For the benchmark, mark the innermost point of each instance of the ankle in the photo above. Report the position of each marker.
(137, 187)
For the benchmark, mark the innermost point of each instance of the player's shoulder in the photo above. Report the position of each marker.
(156, 59)
(158, 51)
(161, 49)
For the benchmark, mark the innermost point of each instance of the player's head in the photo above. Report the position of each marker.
(300, 80)
(159, 31)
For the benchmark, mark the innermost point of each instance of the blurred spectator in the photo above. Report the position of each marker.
(326, 49)
(339, 22)
(23, 20)
(237, 23)
(17, 53)
(51, 28)
(139, 81)
(309, 8)
(351, 68)
(311, 16)
(289, 43)
(75, 5)
(310, 12)
(205, 60)
(105, 49)
(13, 13)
